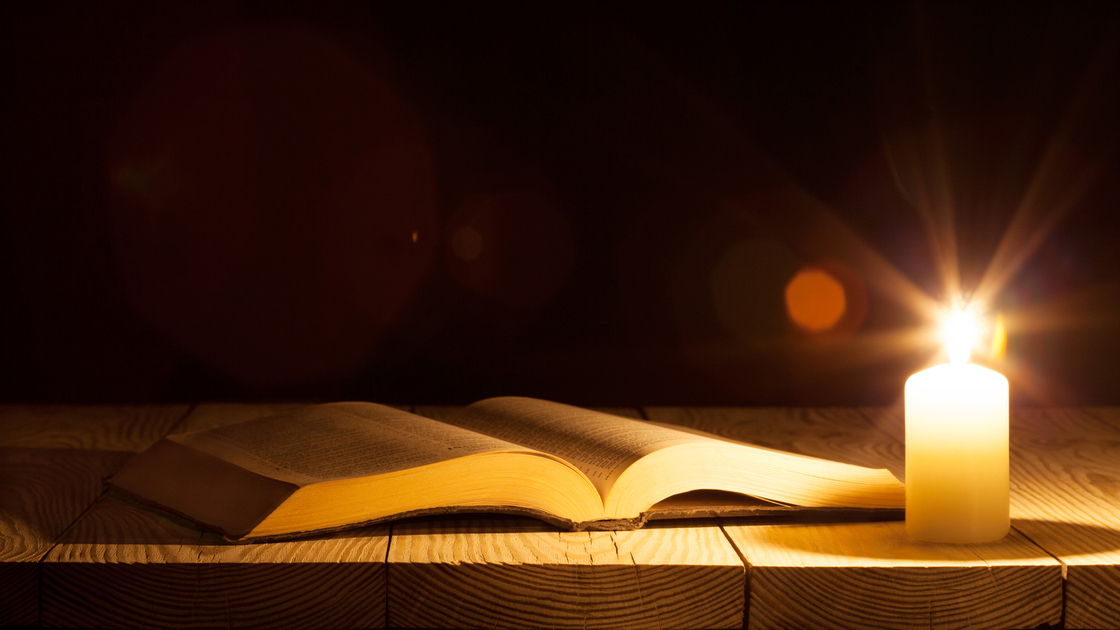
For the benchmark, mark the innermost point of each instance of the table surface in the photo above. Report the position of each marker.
(73, 556)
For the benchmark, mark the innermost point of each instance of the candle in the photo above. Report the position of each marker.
(957, 447)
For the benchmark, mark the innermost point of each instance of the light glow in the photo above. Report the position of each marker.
(999, 339)
(815, 300)
(960, 330)
(957, 483)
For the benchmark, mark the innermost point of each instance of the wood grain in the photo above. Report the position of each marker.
(1065, 497)
(512, 572)
(42, 491)
(123, 565)
(1065, 474)
(52, 463)
(870, 574)
(87, 427)
(521, 573)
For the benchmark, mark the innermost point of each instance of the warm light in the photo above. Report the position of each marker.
(957, 470)
(815, 300)
(999, 339)
(960, 331)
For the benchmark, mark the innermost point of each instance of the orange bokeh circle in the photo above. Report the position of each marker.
(815, 300)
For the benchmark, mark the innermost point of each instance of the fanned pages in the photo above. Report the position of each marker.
(343, 464)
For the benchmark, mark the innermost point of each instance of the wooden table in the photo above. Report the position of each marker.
(72, 556)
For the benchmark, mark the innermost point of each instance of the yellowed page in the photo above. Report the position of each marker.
(339, 441)
(599, 444)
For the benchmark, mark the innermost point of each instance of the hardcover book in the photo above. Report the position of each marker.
(345, 464)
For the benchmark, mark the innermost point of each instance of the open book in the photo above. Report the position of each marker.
(344, 464)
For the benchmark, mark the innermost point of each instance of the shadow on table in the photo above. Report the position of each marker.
(116, 519)
(43, 490)
(1064, 539)
(120, 520)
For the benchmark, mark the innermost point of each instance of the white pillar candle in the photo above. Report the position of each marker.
(957, 470)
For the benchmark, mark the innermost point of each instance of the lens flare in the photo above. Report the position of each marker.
(815, 300)
(515, 247)
(999, 339)
(960, 331)
(272, 200)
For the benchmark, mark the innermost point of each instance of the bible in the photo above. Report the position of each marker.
(337, 465)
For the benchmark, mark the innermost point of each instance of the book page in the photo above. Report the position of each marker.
(599, 444)
(339, 441)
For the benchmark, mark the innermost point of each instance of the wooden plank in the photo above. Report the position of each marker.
(1065, 475)
(1065, 497)
(127, 566)
(1065, 490)
(87, 427)
(522, 573)
(519, 572)
(52, 463)
(42, 491)
(870, 574)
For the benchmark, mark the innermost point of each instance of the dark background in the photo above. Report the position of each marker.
(412, 202)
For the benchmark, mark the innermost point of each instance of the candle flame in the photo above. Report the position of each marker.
(999, 339)
(960, 330)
